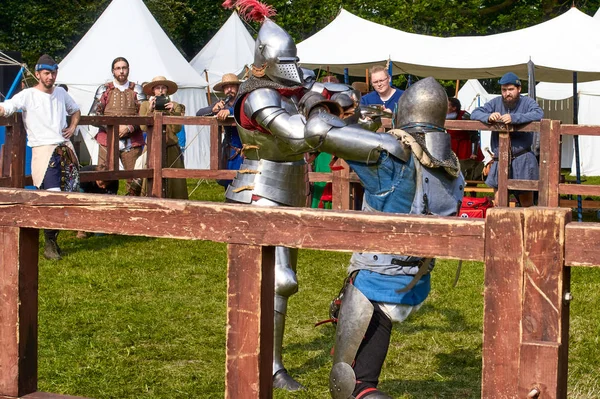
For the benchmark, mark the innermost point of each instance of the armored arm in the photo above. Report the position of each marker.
(327, 133)
(97, 107)
(266, 107)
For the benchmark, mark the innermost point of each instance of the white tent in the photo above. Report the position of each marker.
(127, 29)
(557, 101)
(229, 51)
(570, 42)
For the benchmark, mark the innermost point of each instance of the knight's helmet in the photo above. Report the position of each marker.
(275, 55)
(422, 113)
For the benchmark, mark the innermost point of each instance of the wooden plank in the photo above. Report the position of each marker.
(443, 237)
(174, 173)
(17, 152)
(156, 156)
(215, 145)
(581, 244)
(101, 120)
(544, 313)
(578, 189)
(524, 185)
(250, 302)
(503, 167)
(500, 127)
(112, 147)
(18, 310)
(585, 204)
(551, 178)
(340, 186)
(580, 130)
(502, 302)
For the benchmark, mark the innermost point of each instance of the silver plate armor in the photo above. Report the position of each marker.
(282, 182)
(355, 315)
(276, 53)
(422, 113)
(330, 134)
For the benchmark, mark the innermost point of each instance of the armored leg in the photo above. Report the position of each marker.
(286, 284)
(51, 248)
(354, 318)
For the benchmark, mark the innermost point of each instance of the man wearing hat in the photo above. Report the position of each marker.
(54, 164)
(158, 92)
(232, 145)
(512, 108)
(120, 98)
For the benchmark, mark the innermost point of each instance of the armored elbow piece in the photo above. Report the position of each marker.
(316, 102)
(328, 133)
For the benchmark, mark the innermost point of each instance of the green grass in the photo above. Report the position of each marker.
(136, 317)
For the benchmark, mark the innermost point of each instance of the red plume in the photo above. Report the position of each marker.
(251, 10)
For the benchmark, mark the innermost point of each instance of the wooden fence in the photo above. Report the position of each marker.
(527, 253)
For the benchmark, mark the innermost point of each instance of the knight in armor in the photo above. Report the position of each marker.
(270, 113)
(121, 98)
(408, 170)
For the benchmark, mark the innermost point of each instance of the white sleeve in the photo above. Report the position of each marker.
(14, 104)
(70, 104)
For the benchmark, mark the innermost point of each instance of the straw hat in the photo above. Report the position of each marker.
(228, 79)
(159, 80)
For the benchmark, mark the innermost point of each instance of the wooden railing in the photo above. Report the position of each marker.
(527, 254)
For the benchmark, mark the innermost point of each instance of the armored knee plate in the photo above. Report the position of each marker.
(286, 282)
(354, 319)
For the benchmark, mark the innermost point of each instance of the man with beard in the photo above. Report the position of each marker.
(512, 108)
(232, 146)
(54, 165)
(121, 98)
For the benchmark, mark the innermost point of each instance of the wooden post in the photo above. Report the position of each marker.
(503, 167)
(550, 148)
(215, 144)
(502, 302)
(18, 310)
(250, 302)
(340, 186)
(18, 143)
(545, 318)
(113, 153)
(156, 156)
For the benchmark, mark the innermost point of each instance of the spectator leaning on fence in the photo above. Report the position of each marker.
(54, 165)
(383, 92)
(159, 90)
(512, 108)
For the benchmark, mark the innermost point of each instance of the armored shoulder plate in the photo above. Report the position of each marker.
(99, 91)
(139, 91)
(260, 99)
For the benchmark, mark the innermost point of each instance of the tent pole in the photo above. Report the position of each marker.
(457, 87)
(207, 88)
(13, 87)
(346, 76)
(576, 145)
(367, 76)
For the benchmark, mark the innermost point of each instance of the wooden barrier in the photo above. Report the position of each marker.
(525, 253)
(526, 284)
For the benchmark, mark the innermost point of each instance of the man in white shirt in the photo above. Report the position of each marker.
(54, 165)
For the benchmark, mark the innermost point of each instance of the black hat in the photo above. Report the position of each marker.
(46, 62)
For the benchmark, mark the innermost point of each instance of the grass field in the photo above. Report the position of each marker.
(136, 317)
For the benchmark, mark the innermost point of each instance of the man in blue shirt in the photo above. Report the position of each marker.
(383, 92)
(512, 108)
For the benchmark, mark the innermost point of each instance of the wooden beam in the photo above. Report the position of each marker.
(17, 151)
(18, 310)
(340, 186)
(502, 302)
(503, 168)
(448, 237)
(524, 185)
(580, 130)
(578, 189)
(545, 314)
(581, 244)
(156, 156)
(250, 302)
